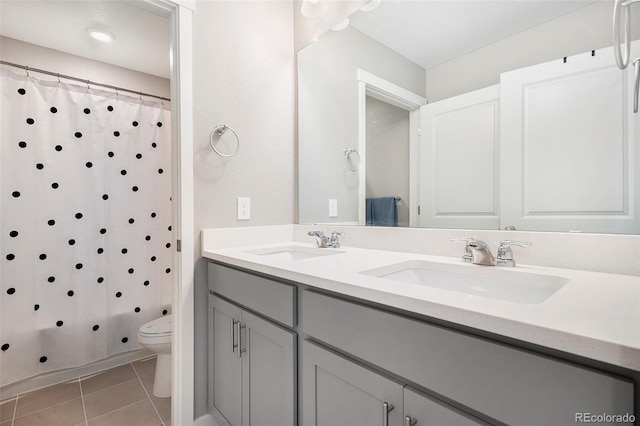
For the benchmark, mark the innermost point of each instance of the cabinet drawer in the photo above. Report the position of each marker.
(506, 383)
(271, 298)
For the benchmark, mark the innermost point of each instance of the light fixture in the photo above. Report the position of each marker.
(371, 5)
(341, 25)
(100, 34)
(311, 8)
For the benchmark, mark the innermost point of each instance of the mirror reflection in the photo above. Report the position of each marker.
(471, 114)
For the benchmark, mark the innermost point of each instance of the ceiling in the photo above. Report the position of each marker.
(142, 38)
(431, 32)
(449, 28)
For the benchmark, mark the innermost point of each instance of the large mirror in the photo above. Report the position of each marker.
(507, 114)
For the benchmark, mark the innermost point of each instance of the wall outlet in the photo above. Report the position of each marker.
(244, 208)
(333, 207)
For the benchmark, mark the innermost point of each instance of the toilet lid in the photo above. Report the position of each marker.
(158, 326)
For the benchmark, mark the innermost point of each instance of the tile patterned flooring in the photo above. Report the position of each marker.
(121, 396)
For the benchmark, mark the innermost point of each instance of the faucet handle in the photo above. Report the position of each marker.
(467, 257)
(509, 243)
(505, 254)
(335, 239)
(463, 240)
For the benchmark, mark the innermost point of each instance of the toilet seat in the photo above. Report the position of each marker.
(157, 328)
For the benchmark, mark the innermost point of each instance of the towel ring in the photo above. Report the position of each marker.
(219, 131)
(347, 155)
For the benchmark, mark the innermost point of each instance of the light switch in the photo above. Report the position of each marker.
(333, 207)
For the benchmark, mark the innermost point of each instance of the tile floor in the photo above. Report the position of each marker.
(121, 396)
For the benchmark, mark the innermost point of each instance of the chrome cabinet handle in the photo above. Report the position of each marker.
(241, 350)
(636, 64)
(233, 335)
(408, 421)
(386, 408)
(236, 332)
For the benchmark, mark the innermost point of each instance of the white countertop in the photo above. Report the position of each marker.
(595, 315)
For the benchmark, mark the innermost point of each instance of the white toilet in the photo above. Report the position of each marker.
(156, 336)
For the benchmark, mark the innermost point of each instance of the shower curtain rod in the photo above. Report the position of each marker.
(88, 82)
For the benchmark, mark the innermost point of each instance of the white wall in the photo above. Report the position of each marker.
(589, 28)
(243, 77)
(328, 107)
(19, 52)
(243, 73)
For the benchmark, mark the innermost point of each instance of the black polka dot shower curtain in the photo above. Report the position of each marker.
(85, 214)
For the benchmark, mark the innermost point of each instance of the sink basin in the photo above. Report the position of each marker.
(486, 281)
(291, 253)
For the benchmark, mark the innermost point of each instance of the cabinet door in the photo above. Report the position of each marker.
(569, 146)
(338, 392)
(459, 145)
(422, 410)
(268, 373)
(226, 363)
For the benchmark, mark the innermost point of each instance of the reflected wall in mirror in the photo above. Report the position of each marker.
(528, 122)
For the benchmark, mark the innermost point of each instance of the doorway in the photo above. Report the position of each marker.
(385, 92)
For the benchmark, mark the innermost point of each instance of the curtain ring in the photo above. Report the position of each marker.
(27, 70)
(58, 75)
(88, 88)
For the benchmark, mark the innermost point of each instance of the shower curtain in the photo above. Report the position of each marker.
(85, 216)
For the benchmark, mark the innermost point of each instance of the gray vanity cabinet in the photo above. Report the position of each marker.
(474, 374)
(365, 365)
(253, 365)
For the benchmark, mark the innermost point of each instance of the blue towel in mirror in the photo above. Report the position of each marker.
(382, 211)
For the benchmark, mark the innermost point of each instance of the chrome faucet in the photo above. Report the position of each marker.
(479, 253)
(476, 252)
(323, 241)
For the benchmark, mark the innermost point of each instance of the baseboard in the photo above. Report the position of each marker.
(213, 418)
(70, 374)
(205, 420)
